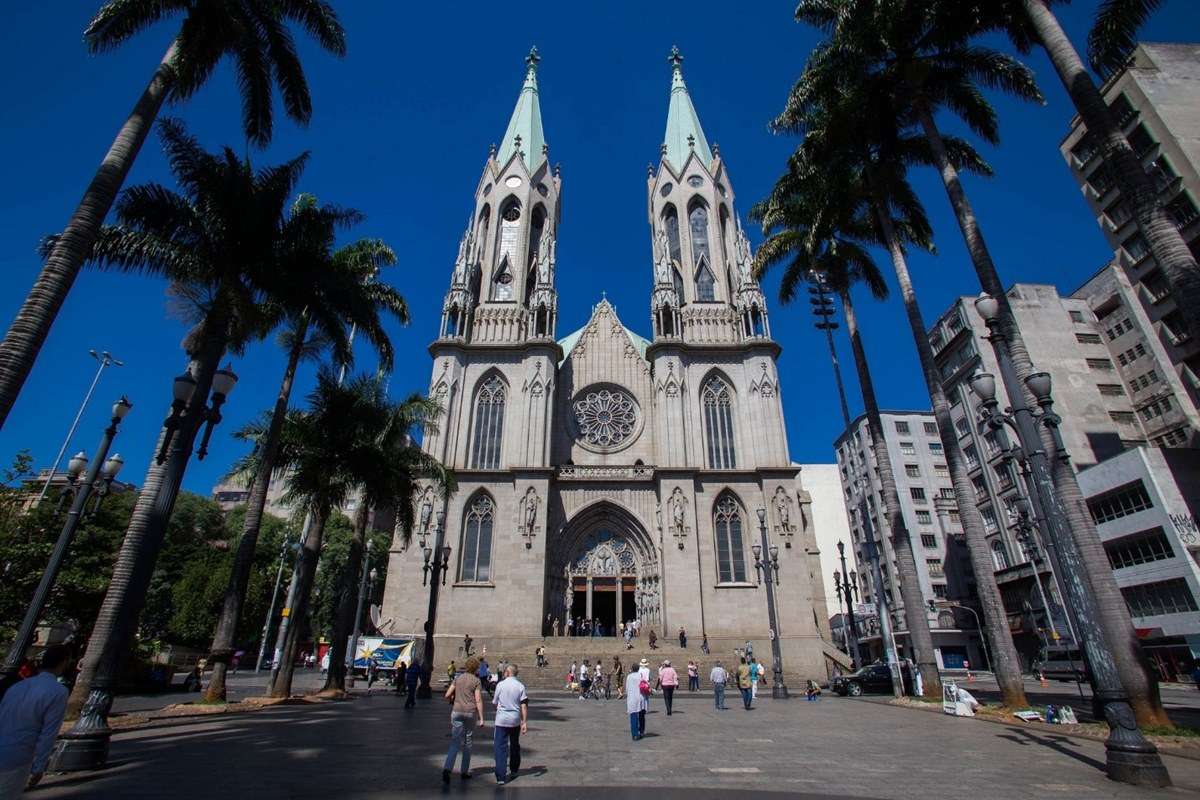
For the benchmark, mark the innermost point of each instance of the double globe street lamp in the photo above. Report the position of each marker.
(437, 563)
(846, 583)
(99, 476)
(766, 566)
(1130, 757)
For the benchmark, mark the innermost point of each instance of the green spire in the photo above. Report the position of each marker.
(526, 121)
(683, 126)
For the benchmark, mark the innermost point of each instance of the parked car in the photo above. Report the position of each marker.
(871, 679)
(1062, 664)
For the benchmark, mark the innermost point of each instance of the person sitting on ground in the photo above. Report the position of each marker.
(812, 691)
(30, 715)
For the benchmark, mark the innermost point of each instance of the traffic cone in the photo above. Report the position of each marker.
(1042, 679)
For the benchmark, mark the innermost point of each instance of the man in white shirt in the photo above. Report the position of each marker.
(511, 721)
(718, 678)
(30, 716)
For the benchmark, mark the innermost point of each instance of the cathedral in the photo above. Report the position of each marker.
(607, 475)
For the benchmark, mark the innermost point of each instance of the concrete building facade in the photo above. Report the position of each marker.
(1156, 100)
(604, 475)
(931, 515)
(1146, 503)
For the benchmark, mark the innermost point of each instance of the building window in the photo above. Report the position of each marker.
(1162, 173)
(935, 448)
(929, 541)
(1110, 389)
(1076, 316)
(947, 493)
(940, 592)
(1088, 338)
(972, 456)
(1182, 210)
(907, 449)
(477, 541)
(1084, 149)
(954, 516)
(918, 494)
(1163, 597)
(1140, 140)
(940, 471)
(1123, 326)
(717, 404)
(980, 487)
(999, 556)
(1172, 438)
(1122, 110)
(924, 518)
(671, 219)
(934, 565)
(1120, 502)
(1136, 247)
(931, 429)
(1138, 548)
(989, 518)
(902, 428)
(912, 470)
(1004, 474)
(962, 426)
(489, 425)
(731, 566)
(1102, 364)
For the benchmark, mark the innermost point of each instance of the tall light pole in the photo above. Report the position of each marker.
(437, 561)
(100, 475)
(362, 590)
(106, 360)
(766, 565)
(1130, 757)
(262, 645)
(847, 589)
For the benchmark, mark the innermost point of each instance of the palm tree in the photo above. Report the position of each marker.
(828, 243)
(853, 161)
(403, 469)
(225, 242)
(254, 33)
(917, 53)
(359, 301)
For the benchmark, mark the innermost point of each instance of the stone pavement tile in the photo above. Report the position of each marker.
(372, 747)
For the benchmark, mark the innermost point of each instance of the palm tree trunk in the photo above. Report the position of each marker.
(126, 594)
(243, 561)
(306, 571)
(910, 586)
(1166, 241)
(1005, 663)
(347, 602)
(1136, 674)
(29, 330)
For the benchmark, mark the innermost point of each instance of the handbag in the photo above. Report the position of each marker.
(644, 688)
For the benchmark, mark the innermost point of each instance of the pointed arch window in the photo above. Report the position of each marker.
(537, 223)
(489, 424)
(671, 220)
(698, 227)
(706, 282)
(731, 561)
(506, 251)
(999, 556)
(481, 233)
(716, 401)
(476, 563)
(677, 282)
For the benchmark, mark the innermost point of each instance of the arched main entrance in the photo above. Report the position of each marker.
(605, 568)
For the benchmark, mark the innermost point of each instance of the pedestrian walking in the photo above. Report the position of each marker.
(704, 645)
(636, 691)
(743, 682)
(629, 636)
(644, 670)
(411, 677)
(30, 715)
(585, 679)
(570, 627)
(749, 649)
(484, 675)
(541, 655)
(555, 628)
(372, 672)
(718, 678)
(668, 680)
(682, 638)
(467, 640)
(755, 673)
(512, 715)
(608, 677)
(618, 672)
(693, 673)
(571, 676)
(451, 669)
(466, 711)
(653, 640)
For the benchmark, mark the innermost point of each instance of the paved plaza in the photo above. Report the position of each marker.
(371, 746)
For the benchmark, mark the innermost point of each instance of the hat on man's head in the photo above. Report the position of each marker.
(644, 663)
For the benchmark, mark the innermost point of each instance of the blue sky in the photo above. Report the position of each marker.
(400, 131)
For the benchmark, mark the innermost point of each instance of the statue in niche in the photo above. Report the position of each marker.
(783, 509)
(530, 514)
(425, 514)
(464, 255)
(546, 258)
(662, 258)
(743, 256)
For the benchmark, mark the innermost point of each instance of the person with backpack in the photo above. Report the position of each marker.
(466, 711)
(637, 689)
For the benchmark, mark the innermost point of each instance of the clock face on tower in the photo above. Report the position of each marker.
(606, 418)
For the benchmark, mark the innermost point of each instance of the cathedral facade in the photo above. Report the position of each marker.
(606, 475)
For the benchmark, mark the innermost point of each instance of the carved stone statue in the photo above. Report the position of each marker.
(461, 263)
(783, 509)
(662, 259)
(546, 258)
(531, 504)
(425, 515)
(743, 257)
(677, 510)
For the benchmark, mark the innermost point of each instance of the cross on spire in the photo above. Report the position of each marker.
(675, 59)
(531, 60)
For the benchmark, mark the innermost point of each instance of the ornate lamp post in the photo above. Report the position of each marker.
(105, 360)
(766, 565)
(99, 476)
(847, 590)
(362, 590)
(437, 561)
(1130, 757)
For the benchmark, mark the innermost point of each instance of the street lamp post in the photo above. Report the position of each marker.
(262, 645)
(86, 745)
(1130, 757)
(437, 561)
(847, 588)
(766, 565)
(362, 590)
(100, 474)
(106, 360)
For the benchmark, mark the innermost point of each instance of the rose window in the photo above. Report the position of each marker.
(606, 417)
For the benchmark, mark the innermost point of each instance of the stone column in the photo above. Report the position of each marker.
(588, 614)
(620, 597)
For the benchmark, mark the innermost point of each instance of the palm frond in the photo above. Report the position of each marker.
(1113, 36)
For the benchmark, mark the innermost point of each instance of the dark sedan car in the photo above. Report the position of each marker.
(871, 679)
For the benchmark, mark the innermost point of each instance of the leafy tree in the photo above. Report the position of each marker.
(255, 35)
